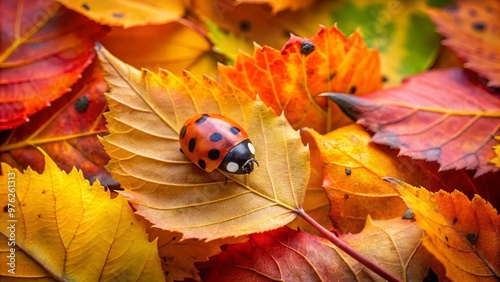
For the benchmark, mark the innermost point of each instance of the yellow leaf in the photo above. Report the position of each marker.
(462, 234)
(128, 13)
(147, 111)
(72, 231)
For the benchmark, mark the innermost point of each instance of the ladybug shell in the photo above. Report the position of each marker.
(206, 139)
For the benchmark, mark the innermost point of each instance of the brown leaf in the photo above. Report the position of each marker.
(43, 51)
(462, 234)
(437, 116)
(147, 111)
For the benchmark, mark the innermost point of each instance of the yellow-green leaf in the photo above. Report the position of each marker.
(71, 230)
(147, 111)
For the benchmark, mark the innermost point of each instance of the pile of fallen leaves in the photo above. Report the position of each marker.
(377, 140)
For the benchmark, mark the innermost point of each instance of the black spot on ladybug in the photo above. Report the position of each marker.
(118, 15)
(6, 208)
(86, 6)
(245, 25)
(353, 89)
(472, 238)
(183, 132)
(348, 171)
(201, 119)
(346, 196)
(306, 47)
(202, 164)
(192, 143)
(446, 238)
(234, 130)
(455, 220)
(82, 104)
(215, 137)
(479, 26)
(213, 154)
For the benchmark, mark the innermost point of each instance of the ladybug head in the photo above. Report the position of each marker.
(240, 159)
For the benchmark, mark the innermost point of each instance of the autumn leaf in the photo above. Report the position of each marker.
(70, 230)
(438, 116)
(279, 5)
(127, 13)
(67, 131)
(180, 47)
(43, 51)
(472, 30)
(147, 111)
(290, 80)
(462, 234)
(287, 255)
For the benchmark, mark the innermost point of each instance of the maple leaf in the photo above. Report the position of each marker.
(127, 13)
(70, 230)
(40, 35)
(462, 234)
(438, 116)
(472, 30)
(287, 255)
(67, 131)
(147, 111)
(290, 80)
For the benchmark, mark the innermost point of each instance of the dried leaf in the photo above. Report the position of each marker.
(462, 234)
(72, 230)
(472, 30)
(67, 131)
(178, 48)
(128, 13)
(290, 80)
(437, 116)
(147, 111)
(288, 255)
(43, 51)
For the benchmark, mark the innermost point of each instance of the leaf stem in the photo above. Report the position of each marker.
(348, 249)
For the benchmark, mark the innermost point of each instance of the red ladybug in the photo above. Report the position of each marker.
(213, 140)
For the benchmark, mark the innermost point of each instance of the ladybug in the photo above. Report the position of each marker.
(214, 141)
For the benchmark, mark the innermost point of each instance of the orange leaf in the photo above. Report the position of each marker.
(287, 255)
(71, 230)
(67, 131)
(462, 234)
(290, 80)
(43, 51)
(438, 116)
(472, 29)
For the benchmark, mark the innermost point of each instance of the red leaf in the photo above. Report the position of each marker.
(438, 116)
(472, 29)
(43, 51)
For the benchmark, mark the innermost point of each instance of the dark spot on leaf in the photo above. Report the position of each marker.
(332, 75)
(346, 196)
(82, 104)
(408, 214)
(348, 171)
(446, 237)
(213, 154)
(234, 130)
(86, 6)
(43, 192)
(167, 273)
(455, 220)
(202, 164)
(215, 137)
(39, 215)
(183, 132)
(472, 238)
(118, 15)
(5, 209)
(479, 26)
(192, 143)
(245, 25)
(201, 119)
(353, 89)
(306, 47)
(384, 78)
